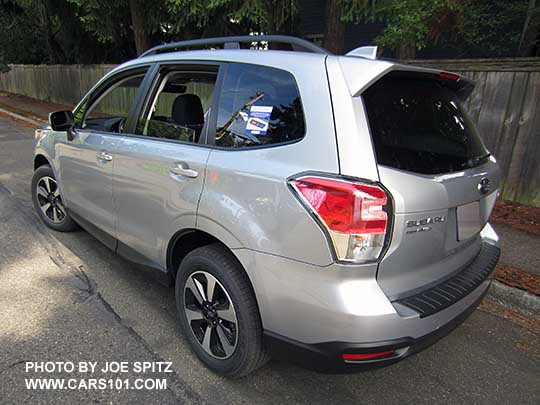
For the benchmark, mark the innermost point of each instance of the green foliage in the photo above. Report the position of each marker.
(410, 21)
(19, 30)
(95, 31)
(221, 17)
(358, 11)
(111, 20)
(492, 27)
(105, 19)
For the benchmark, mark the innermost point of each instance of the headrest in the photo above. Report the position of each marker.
(187, 110)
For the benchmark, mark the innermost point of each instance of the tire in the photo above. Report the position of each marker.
(48, 201)
(231, 283)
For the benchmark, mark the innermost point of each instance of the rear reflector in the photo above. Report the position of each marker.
(449, 76)
(352, 213)
(365, 356)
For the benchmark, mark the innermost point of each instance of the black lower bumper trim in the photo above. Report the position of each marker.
(326, 357)
(448, 292)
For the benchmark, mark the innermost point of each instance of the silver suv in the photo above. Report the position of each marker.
(330, 209)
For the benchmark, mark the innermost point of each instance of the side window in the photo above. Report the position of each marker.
(108, 109)
(181, 105)
(258, 106)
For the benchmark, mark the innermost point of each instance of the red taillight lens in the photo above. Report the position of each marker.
(449, 76)
(365, 356)
(345, 207)
(352, 212)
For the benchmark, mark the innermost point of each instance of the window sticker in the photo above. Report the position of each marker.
(258, 120)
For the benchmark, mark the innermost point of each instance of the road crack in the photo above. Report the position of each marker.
(12, 365)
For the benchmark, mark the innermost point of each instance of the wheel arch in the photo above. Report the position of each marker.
(187, 240)
(183, 242)
(41, 160)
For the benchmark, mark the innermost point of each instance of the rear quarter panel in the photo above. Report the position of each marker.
(246, 201)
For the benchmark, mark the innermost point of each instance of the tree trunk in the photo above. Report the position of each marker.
(528, 43)
(334, 33)
(55, 51)
(406, 51)
(142, 39)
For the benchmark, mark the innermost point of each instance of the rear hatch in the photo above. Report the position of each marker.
(441, 177)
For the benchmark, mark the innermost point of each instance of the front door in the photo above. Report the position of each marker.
(159, 171)
(86, 162)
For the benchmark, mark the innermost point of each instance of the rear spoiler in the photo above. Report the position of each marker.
(462, 86)
(360, 73)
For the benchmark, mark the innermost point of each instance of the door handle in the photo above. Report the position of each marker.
(104, 156)
(182, 169)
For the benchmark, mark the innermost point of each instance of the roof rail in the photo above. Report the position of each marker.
(368, 52)
(297, 44)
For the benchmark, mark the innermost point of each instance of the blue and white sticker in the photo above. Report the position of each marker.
(258, 119)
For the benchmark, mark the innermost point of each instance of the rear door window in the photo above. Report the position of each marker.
(258, 106)
(180, 108)
(418, 125)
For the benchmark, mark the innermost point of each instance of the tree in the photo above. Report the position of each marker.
(14, 35)
(337, 14)
(46, 31)
(490, 28)
(128, 25)
(529, 41)
(469, 27)
(413, 23)
(334, 28)
(204, 18)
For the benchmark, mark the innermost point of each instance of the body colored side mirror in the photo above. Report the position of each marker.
(61, 120)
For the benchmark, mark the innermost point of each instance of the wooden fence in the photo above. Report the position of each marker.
(505, 106)
(64, 84)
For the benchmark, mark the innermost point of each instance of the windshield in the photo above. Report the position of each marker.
(418, 125)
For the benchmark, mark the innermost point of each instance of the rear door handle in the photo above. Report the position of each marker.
(182, 169)
(104, 156)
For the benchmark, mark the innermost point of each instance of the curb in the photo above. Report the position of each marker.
(32, 121)
(514, 297)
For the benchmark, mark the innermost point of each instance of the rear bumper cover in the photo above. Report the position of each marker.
(326, 357)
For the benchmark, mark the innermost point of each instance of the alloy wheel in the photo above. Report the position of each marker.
(210, 314)
(49, 200)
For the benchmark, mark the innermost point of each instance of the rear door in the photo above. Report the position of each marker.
(441, 177)
(160, 165)
(86, 162)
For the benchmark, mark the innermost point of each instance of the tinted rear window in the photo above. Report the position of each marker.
(258, 106)
(418, 125)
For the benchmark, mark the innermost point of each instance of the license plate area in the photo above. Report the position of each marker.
(469, 220)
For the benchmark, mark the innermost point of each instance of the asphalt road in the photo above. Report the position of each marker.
(65, 297)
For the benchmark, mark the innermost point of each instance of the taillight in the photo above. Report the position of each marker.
(352, 213)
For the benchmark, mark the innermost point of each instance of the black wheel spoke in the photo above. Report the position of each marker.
(194, 314)
(228, 348)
